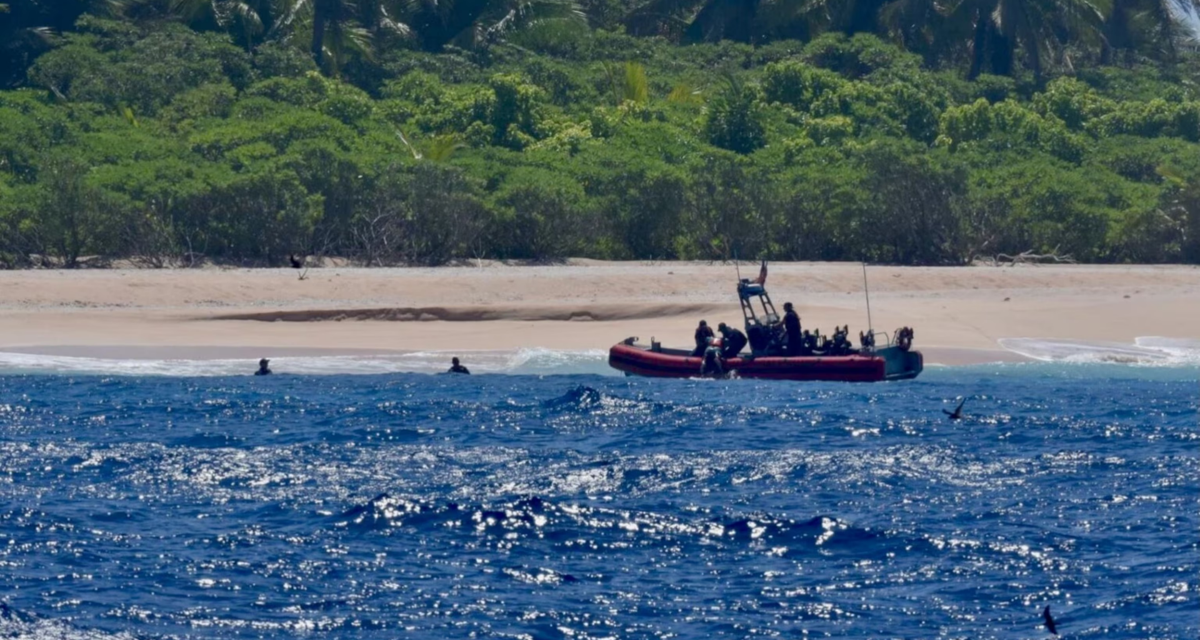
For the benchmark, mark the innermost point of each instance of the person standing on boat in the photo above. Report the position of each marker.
(704, 333)
(791, 325)
(732, 340)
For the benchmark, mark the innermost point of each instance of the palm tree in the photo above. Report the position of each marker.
(335, 27)
(244, 19)
(1186, 18)
(667, 18)
(30, 27)
(628, 81)
(475, 23)
(996, 29)
(915, 25)
(751, 20)
(1155, 27)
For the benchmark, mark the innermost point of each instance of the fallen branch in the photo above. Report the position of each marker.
(1029, 257)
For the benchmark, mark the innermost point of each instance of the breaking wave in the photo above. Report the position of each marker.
(1145, 351)
(535, 361)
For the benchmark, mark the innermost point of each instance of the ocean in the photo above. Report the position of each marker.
(551, 500)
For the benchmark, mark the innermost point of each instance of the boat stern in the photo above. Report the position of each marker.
(901, 364)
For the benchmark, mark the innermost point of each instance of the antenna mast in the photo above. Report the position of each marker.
(867, 292)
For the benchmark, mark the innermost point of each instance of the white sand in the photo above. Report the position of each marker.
(958, 313)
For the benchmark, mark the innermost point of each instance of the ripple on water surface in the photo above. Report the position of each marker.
(588, 507)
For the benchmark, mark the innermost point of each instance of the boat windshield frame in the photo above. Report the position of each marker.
(747, 292)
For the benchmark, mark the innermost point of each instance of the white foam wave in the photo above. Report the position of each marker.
(57, 631)
(522, 361)
(1146, 351)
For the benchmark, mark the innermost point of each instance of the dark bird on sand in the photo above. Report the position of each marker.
(1049, 620)
(957, 413)
(296, 264)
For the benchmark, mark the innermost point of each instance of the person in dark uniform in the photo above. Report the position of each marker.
(732, 340)
(456, 367)
(263, 369)
(791, 325)
(703, 333)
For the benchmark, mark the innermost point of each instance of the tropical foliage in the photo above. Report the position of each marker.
(175, 132)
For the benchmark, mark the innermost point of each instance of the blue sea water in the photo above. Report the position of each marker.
(585, 506)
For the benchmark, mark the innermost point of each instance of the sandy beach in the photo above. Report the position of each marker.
(960, 314)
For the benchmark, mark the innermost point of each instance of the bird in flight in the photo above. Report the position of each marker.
(1049, 620)
(957, 413)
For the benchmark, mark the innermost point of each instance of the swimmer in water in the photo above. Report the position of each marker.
(263, 369)
(456, 367)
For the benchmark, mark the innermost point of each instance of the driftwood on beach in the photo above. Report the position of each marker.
(1026, 257)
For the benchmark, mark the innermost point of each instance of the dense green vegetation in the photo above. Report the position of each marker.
(175, 132)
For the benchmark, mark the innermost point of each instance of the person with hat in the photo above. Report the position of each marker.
(263, 369)
(732, 340)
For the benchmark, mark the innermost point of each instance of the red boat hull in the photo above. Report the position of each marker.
(885, 364)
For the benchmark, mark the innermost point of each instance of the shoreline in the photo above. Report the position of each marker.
(945, 356)
(959, 314)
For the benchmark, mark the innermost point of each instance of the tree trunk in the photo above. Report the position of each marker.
(1116, 32)
(320, 18)
(1004, 51)
(1035, 60)
(978, 45)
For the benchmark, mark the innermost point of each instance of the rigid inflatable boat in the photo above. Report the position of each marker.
(820, 359)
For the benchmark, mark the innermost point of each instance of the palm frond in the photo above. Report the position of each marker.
(815, 15)
(912, 23)
(391, 25)
(191, 10)
(400, 134)
(340, 39)
(684, 93)
(636, 86)
(440, 148)
(295, 13)
(1185, 16)
(628, 82)
(1171, 174)
(127, 112)
(661, 18)
(46, 35)
(245, 14)
(522, 14)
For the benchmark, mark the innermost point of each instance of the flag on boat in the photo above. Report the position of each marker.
(762, 274)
